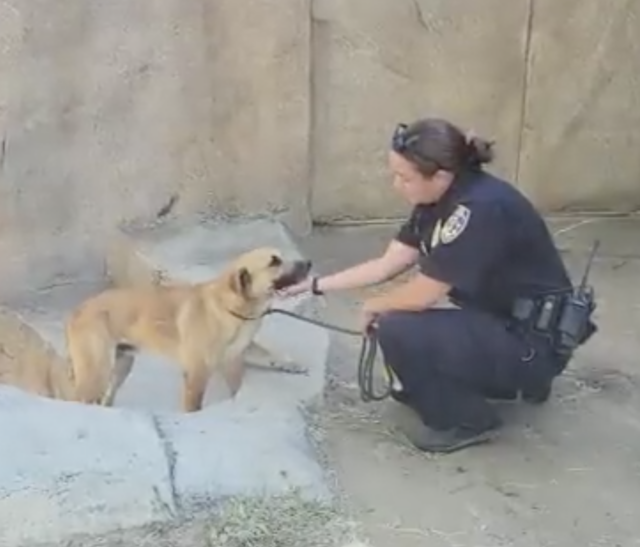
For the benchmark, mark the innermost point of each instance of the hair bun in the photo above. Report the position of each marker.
(480, 150)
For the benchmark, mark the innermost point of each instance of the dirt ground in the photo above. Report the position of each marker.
(564, 474)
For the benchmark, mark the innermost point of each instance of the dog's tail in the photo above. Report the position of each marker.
(87, 345)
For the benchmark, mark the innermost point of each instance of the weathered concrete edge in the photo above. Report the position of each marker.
(58, 519)
(173, 506)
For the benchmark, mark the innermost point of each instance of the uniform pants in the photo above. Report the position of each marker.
(448, 360)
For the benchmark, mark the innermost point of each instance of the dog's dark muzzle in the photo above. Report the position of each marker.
(298, 272)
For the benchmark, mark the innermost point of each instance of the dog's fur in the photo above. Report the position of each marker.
(205, 328)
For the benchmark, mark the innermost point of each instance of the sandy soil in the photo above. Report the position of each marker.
(564, 474)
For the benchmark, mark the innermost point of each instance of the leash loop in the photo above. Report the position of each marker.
(366, 360)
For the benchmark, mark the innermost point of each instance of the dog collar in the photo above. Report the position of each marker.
(245, 317)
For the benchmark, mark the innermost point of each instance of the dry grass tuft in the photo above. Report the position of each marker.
(287, 520)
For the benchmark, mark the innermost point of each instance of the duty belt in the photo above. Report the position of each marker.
(564, 318)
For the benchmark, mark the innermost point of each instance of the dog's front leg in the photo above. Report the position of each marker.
(258, 355)
(195, 379)
(233, 373)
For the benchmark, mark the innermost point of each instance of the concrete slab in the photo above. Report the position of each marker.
(67, 469)
(237, 448)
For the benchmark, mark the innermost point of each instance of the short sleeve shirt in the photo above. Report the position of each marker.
(487, 241)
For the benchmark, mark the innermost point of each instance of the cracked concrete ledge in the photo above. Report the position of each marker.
(75, 470)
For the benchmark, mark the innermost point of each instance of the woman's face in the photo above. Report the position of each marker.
(414, 187)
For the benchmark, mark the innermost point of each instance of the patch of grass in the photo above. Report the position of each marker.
(287, 520)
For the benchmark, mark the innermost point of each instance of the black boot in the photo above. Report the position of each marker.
(501, 395)
(452, 440)
(537, 389)
(536, 395)
(400, 396)
(427, 439)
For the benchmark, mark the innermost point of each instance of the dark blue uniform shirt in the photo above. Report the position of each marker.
(488, 242)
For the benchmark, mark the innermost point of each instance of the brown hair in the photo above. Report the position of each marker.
(432, 144)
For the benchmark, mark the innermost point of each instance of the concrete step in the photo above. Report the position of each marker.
(197, 250)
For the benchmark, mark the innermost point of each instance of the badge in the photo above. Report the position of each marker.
(455, 224)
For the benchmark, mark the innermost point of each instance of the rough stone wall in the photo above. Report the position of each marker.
(379, 62)
(556, 84)
(107, 109)
(581, 133)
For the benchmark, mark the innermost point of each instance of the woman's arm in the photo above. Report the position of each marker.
(397, 258)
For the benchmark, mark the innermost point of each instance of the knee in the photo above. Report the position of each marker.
(424, 332)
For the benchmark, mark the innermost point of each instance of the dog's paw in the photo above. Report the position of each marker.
(289, 366)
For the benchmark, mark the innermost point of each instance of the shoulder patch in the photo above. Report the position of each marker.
(455, 224)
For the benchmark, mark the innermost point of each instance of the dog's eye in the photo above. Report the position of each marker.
(275, 261)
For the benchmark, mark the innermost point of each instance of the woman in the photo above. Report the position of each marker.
(476, 239)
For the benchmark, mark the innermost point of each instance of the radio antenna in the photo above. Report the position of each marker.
(587, 270)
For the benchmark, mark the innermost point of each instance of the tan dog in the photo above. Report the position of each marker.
(204, 327)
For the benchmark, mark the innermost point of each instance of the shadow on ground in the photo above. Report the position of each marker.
(565, 474)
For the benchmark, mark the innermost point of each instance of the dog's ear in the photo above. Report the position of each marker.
(241, 281)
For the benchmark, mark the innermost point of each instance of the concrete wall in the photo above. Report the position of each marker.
(107, 109)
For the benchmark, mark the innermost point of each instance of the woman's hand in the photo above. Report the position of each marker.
(295, 290)
(368, 315)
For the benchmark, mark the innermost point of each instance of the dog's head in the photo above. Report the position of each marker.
(257, 274)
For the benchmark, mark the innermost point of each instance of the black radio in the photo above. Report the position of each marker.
(563, 317)
(575, 326)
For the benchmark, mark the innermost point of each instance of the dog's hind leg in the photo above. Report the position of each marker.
(125, 355)
(91, 365)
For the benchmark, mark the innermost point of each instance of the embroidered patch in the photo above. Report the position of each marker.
(455, 224)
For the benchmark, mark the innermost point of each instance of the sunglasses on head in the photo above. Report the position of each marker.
(403, 142)
(400, 141)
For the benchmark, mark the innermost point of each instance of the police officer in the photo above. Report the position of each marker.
(476, 239)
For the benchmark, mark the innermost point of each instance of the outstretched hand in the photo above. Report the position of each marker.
(295, 290)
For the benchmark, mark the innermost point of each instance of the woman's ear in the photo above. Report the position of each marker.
(241, 281)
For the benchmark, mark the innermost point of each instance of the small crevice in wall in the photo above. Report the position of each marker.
(3, 153)
(526, 75)
(318, 92)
